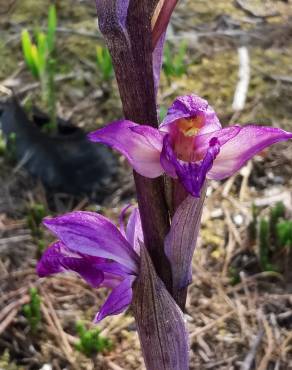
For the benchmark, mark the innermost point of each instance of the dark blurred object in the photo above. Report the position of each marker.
(65, 162)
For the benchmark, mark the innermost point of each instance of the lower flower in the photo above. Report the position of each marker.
(93, 247)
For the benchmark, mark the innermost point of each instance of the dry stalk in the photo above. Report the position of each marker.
(269, 351)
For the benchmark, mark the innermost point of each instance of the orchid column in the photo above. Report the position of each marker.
(134, 32)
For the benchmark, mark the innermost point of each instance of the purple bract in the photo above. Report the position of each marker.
(190, 144)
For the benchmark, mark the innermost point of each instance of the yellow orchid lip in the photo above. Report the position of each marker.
(190, 126)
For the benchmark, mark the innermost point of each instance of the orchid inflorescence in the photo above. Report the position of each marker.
(190, 145)
(148, 261)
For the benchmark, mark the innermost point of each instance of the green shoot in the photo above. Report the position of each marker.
(252, 227)
(34, 218)
(2, 144)
(174, 65)
(233, 275)
(277, 212)
(284, 234)
(32, 310)
(162, 113)
(265, 246)
(40, 60)
(90, 341)
(10, 147)
(104, 63)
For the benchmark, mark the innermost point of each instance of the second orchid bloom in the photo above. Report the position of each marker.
(190, 144)
(103, 255)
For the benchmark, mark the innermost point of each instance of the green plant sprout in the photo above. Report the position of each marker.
(34, 217)
(10, 147)
(104, 63)
(90, 341)
(2, 144)
(274, 235)
(277, 212)
(284, 233)
(32, 310)
(234, 275)
(174, 65)
(40, 59)
(264, 245)
(7, 363)
(252, 227)
(162, 113)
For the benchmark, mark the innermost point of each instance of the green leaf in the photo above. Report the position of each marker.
(35, 58)
(284, 233)
(52, 25)
(27, 53)
(42, 51)
(104, 62)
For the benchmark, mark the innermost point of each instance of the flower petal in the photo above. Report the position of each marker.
(94, 235)
(191, 174)
(157, 61)
(141, 145)
(134, 230)
(189, 106)
(249, 141)
(201, 142)
(57, 258)
(122, 217)
(118, 300)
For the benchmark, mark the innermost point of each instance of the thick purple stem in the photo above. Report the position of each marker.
(127, 31)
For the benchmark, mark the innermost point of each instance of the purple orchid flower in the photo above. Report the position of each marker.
(93, 247)
(190, 144)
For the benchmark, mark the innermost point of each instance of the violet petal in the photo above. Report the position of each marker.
(202, 142)
(94, 235)
(189, 106)
(118, 300)
(58, 259)
(157, 57)
(134, 232)
(122, 219)
(191, 175)
(249, 141)
(141, 145)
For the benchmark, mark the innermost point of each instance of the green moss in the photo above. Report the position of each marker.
(8, 61)
(30, 11)
(213, 78)
(80, 47)
(204, 11)
(6, 364)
